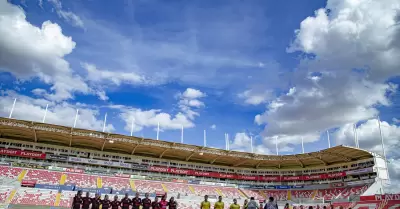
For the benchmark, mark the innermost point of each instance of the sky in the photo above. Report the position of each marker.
(260, 71)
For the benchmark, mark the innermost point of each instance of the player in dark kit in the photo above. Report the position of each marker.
(96, 202)
(115, 203)
(77, 201)
(125, 202)
(86, 201)
(106, 203)
(136, 202)
(172, 204)
(155, 204)
(146, 201)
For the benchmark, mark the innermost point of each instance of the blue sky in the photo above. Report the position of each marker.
(286, 69)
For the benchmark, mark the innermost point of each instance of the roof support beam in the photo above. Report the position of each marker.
(213, 160)
(162, 154)
(239, 163)
(70, 138)
(345, 158)
(189, 156)
(299, 161)
(259, 163)
(34, 135)
(134, 148)
(104, 144)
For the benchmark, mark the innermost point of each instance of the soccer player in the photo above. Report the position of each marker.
(86, 201)
(125, 202)
(245, 204)
(219, 204)
(205, 204)
(136, 201)
(234, 205)
(96, 201)
(155, 204)
(146, 201)
(172, 204)
(106, 203)
(163, 203)
(115, 203)
(77, 201)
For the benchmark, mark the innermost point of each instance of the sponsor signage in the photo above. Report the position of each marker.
(283, 187)
(244, 177)
(57, 157)
(28, 183)
(351, 183)
(179, 181)
(364, 170)
(380, 197)
(71, 170)
(338, 184)
(5, 163)
(139, 167)
(22, 153)
(122, 175)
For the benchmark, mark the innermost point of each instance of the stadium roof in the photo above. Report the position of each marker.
(94, 140)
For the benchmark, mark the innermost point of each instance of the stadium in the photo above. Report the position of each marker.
(43, 165)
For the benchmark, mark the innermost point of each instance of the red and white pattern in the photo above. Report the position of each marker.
(116, 183)
(81, 180)
(148, 186)
(35, 197)
(10, 172)
(43, 177)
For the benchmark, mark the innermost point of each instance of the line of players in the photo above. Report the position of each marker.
(86, 202)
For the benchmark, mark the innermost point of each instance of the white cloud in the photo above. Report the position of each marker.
(68, 16)
(30, 52)
(327, 91)
(27, 108)
(355, 34)
(255, 98)
(213, 127)
(395, 120)
(242, 141)
(117, 78)
(189, 102)
(150, 118)
(369, 139)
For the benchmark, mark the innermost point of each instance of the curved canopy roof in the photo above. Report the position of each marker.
(95, 140)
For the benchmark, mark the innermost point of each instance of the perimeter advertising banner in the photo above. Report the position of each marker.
(243, 177)
(21, 153)
(380, 197)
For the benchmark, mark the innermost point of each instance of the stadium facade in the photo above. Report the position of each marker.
(52, 162)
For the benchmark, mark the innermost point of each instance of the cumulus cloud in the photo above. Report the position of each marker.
(350, 51)
(242, 141)
(189, 105)
(117, 78)
(213, 127)
(350, 34)
(189, 102)
(67, 16)
(369, 139)
(254, 97)
(28, 108)
(27, 52)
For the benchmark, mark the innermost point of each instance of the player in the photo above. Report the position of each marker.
(86, 201)
(96, 201)
(205, 204)
(146, 201)
(115, 203)
(219, 204)
(155, 204)
(163, 203)
(172, 204)
(245, 204)
(125, 202)
(77, 201)
(106, 203)
(234, 205)
(136, 202)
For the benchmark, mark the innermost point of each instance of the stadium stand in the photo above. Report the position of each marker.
(339, 175)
